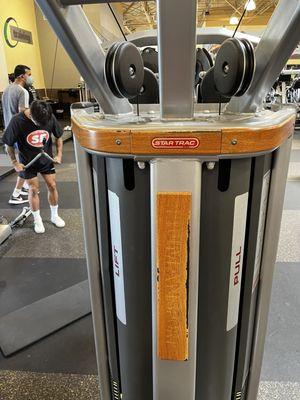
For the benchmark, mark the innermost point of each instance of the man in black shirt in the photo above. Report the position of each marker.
(31, 130)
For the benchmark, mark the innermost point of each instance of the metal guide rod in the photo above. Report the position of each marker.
(73, 2)
(203, 35)
(177, 57)
(272, 53)
(81, 43)
(84, 170)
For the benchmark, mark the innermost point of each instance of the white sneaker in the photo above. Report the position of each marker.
(39, 226)
(17, 200)
(57, 221)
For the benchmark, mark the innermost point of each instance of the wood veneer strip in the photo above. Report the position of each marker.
(173, 219)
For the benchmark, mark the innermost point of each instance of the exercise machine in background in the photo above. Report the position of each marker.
(181, 202)
(286, 92)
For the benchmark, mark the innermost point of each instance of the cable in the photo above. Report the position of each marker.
(116, 19)
(53, 69)
(242, 16)
(138, 105)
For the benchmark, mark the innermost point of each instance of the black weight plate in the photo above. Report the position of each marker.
(108, 69)
(150, 89)
(150, 58)
(208, 92)
(203, 63)
(128, 58)
(230, 65)
(250, 66)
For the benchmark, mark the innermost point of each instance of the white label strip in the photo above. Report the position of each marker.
(117, 256)
(237, 254)
(261, 228)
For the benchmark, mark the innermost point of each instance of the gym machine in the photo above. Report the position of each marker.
(286, 92)
(181, 203)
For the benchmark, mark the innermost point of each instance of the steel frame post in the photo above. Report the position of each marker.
(177, 57)
(176, 380)
(272, 231)
(84, 171)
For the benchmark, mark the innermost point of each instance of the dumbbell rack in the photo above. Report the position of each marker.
(181, 209)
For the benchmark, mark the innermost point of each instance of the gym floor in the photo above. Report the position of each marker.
(63, 366)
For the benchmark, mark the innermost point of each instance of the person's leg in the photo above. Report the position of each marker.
(24, 190)
(25, 186)
(20, 183)
(53, 200)
(34, 202)
(18, 192)
(52, 190)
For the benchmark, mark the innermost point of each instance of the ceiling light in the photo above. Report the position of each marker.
(250, 5)
(234, 20)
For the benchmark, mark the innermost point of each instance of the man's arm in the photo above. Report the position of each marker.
(59, 150)
(9, 139)
(11, 152)
(57, 132)
(23, 100)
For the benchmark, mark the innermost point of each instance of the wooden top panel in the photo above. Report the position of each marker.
(200, 141)
(238, 141)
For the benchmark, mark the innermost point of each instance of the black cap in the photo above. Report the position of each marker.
(20, 70)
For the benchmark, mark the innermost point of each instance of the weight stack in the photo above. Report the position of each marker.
(187, 221)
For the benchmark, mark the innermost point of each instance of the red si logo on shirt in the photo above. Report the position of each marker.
(37, 138)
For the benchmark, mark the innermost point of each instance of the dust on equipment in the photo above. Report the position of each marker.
(181, 202)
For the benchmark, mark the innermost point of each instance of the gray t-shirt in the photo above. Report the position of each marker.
(14, 98)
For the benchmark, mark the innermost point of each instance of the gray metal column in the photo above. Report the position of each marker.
(176, 380)
(84, 170)
(280, 38)
(272, 231)
(129, 210)
(104, 240)
(177, 57)
(257, 210)
(73, 29)
(224, 204)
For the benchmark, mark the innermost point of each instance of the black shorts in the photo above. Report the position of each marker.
(32, 172)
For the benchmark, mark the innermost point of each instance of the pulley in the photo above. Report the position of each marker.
(234, 67)
(124, 70)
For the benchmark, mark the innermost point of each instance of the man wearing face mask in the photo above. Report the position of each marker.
(32, 130)
(15, 99)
